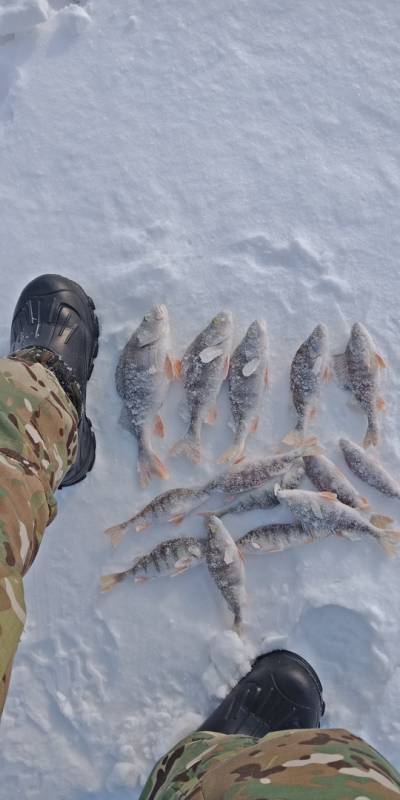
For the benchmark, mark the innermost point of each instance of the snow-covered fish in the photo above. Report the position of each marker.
(225, 564)
(322, 511)
(327, 477)
(357, 370)
(278, 536)
(247, 379)
(204, 366)
(369, 469)
(172, 506)
(169, 558)
(265, 496)
(142, 378)
(310, 367)
(252, 474)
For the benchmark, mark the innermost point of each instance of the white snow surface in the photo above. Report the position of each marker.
(222, 154)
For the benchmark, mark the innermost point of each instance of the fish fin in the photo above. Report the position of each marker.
(240, 554)
(233, 453)
(159, 427)
(211, 417)
(177, 519)
(313, 412)
(210, 354)
(189, 447)
(141, 579)
(254, 424)
(362, 502)
(228, 557)
(380, 361)
(311, 447)
(380, 404)
(177, 368)
(328, 495)
(295, 438)
(389, 542)
(341, 371)
(256, 545)
(371, 437)
(226, 368)
(182, 564)
(250, 367)
(316, 367)
(196, 550)
(327, 374)
(116, 533)
(381, 521)
(141, 526)
(349, 534)
(266, 377)
(169, 368)
(149, 464)
(107, 582)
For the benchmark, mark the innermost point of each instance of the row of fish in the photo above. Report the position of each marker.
(145, 369)
(335, 510)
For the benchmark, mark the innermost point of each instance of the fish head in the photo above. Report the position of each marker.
(344, 444)
(360, 341)
(318, 339)
(256, 338)
(214, 524)
(220, 327)
(154, 325)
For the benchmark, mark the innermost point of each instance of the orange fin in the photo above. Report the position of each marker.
(381, 521)
(141, 526)
(177, 368)
(380, 361)
(254, 424)
(328, 495)
(312, 413)
(177, 519)
(211, 416)
(327, 374)
(159, 427)
(389, 542)
(266, 377)
(169, 368)
(380, 404)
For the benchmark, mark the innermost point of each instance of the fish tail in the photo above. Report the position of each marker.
(295, 438)
(149, 464)
(116, 533)
(389, 542)
(189, 446)
(371, 436)
(107, 582)
(233, 453)
(311, 446)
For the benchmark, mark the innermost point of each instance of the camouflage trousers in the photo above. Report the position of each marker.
(38, 444)
(289, 765)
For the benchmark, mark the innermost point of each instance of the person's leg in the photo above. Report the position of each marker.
(263, 741)
(38, 444)
(311, 764)
(46, 439)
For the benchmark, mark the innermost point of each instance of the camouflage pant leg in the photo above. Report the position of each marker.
(288, 765)
(38, 444)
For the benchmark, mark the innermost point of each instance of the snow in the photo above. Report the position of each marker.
(207, 155)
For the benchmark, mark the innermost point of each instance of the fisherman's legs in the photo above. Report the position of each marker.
(38, 444)
(310, 764)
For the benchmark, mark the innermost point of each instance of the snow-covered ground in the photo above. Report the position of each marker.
(225, 154)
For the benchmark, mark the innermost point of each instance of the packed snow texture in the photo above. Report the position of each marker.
(222, 154)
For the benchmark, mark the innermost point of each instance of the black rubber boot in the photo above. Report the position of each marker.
(281, 692)
(54, 315)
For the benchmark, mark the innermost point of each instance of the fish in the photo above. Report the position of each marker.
(310, 366)
(322, 511)
(357, 370)
(203, 368)
(368, 469)
(142, 378)
(171, 557)
(327, 477)
(277, 536)
(225, 564)
(265, 496)
(172, 505)
(252, 474)
(247, 381)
